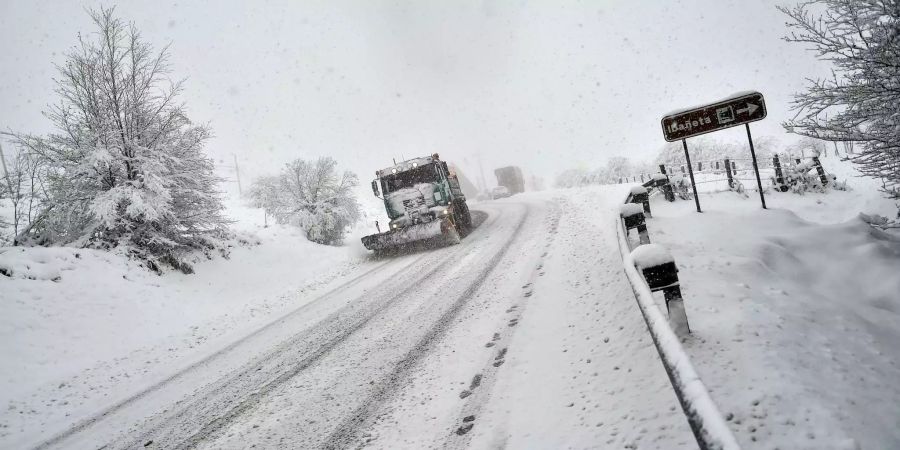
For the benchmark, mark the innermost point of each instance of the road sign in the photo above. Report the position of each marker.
(738, 110)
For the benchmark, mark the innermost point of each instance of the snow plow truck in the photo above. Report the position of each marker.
(423, 200)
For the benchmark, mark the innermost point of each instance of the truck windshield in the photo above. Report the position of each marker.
(408, 178)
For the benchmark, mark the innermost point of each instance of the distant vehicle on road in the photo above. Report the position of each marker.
(511, 178)
(500, 192)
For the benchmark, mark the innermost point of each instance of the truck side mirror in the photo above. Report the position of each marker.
(375, 187)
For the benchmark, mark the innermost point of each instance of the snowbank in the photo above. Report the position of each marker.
(796, 322)
(37, 263)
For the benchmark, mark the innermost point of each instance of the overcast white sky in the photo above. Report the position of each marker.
(547, 85)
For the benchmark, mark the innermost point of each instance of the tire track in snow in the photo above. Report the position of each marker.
(247, 389)
(88, 422)
(224, 401)
(347, 432)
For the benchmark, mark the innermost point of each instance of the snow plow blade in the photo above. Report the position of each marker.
(401, 236)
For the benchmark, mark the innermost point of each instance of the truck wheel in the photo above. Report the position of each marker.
(464, 217)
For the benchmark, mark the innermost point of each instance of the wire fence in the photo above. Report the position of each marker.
(732, 173)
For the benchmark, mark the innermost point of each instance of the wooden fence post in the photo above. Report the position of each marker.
(728, 173)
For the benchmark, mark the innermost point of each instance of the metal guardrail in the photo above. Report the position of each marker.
(705, 419)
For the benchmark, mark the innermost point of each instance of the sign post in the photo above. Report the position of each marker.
(762, 197)
(740, 109)
(687, 157)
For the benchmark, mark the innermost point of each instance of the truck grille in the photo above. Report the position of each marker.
(413, 204)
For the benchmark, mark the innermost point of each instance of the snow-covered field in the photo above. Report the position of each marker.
(525, 335)
(795, 312)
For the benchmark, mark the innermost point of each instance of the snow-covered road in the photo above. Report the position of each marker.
(526, 334)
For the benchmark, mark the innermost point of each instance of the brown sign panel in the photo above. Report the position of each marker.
(738, 110)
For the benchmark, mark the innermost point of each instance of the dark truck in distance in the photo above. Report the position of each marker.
(511, 178)
(423, 199)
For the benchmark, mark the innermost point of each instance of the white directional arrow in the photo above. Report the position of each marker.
(749, 109)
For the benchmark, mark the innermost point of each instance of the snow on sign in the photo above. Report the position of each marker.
(737, 110)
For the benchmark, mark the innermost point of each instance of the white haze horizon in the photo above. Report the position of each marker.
(546, 86)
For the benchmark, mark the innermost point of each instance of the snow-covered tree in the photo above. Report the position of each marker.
(572, 178)
(859, 102)
(619, 166)
(310, 195)
(127, 164)
(22, 185)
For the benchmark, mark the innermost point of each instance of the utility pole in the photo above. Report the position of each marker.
(237, 175)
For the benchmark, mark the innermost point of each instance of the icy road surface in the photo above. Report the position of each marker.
(526, 335)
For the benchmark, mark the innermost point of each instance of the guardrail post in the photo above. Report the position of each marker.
(728, 174)
(667, 190)
(779, 175)
(640, 195)
(633, 216)
(820, 170)
(699, 166)
(659, 270)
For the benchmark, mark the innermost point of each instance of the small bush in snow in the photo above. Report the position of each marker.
(312, 196)
(803, 177)
(681, 185)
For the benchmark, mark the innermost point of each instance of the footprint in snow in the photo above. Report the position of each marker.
(476, 381)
